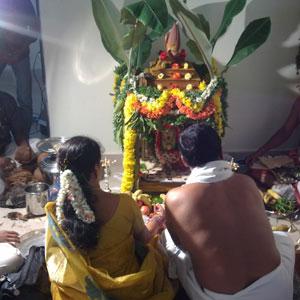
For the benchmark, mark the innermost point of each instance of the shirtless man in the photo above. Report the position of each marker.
(218, 218)
(281, 135)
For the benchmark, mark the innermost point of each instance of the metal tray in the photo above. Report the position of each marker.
(50, 145)
(32, 238)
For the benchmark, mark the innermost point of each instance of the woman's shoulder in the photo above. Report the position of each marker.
(125, 199)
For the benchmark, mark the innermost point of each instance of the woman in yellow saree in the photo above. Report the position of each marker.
(91, 236)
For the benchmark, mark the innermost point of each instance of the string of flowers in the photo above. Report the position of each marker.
(129, 142)
(70, 190)
(208, 110)
(218, 112)
(154, 108)
(196, 107)
(205, 103)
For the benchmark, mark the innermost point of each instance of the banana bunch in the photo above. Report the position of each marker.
(139, 196)
(270, 197)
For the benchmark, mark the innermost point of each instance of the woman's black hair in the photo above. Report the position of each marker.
(199, 144)
(80, 155)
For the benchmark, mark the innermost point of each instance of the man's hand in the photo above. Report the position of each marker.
(9, 237)
(24, 154)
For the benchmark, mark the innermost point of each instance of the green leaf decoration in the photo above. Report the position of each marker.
(232, 8)
(153, 35)
(203, 24)
(107, 18)
(194, 50)
(190, 23)
(142, 52)
(134, 36)
(254, 35)
(151, 13)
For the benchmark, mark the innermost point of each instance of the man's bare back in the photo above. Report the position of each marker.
(224, 228)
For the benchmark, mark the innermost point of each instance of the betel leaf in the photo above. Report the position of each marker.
(107, 18)
(134, 36)
(232, 8)
(254, 35)
(193, 32)
(151, 13)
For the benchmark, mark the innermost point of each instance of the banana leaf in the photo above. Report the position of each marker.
(203, 24)
(134, 36)
(151, 13)
(194, 50)
(233, 8)
(107, 18)
(142, 52)
(191, 26)
(254, 35)
(153, 35)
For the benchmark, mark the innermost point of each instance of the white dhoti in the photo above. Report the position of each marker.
(277, 285)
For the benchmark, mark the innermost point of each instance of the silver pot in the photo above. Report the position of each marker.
(49, 168)
(36, 195)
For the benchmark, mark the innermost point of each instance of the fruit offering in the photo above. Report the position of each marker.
(176, 75)
(147, 204)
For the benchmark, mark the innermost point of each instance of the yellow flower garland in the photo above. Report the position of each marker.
(129, 159)
(158, 103)
(195, 106)
(130, 135)
(218, 113)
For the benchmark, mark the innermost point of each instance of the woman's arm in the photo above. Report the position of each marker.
(154, 226)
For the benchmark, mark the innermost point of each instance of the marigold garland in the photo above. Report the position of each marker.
(161, 106)
(155, 108)
(218, 112)
(202, 115)
(129, 143)
(194, 106)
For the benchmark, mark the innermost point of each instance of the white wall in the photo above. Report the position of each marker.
(79, 71)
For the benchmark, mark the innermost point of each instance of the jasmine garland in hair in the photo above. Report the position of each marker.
(70, 190)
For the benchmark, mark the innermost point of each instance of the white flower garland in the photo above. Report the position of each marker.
(70, 190)
(207, 93)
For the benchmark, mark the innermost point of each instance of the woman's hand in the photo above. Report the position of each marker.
(156, 224)
(159, 209)
(9, 237)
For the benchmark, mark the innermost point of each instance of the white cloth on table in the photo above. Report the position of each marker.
(276, 285)
(10, 258)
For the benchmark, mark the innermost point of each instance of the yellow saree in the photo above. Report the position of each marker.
(111, 271)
